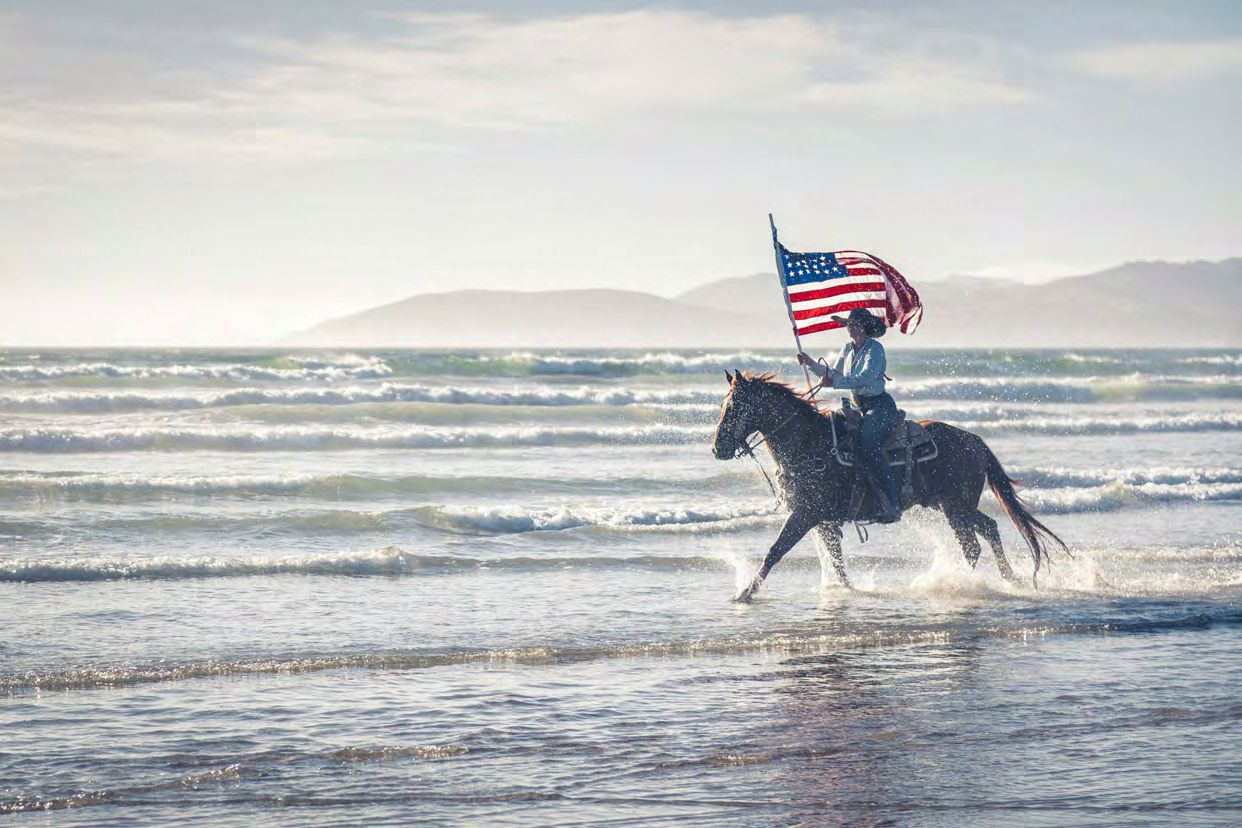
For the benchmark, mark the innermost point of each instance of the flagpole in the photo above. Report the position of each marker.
(780, 272)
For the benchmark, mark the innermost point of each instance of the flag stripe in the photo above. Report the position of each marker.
(821, 326)
(879, 296)
(824, 293)
(811, 313)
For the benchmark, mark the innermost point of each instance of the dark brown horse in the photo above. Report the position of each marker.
(817, 489)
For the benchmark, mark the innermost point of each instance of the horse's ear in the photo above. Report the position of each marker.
(728, 378)
(738, 373)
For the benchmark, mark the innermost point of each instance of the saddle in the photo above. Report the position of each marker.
(907, 446)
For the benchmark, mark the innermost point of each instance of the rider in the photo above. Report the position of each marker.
(860, 368)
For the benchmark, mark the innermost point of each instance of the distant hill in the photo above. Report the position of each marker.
(558, 318)
(1137, 304)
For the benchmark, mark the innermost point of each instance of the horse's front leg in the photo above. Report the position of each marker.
(796, 526)
(829, 533)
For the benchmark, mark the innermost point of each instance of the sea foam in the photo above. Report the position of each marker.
(387, 392)
(302, 370)
(232, 437)
(310, 438)
(388, 561)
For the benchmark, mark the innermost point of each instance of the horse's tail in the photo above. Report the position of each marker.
(1036, 535)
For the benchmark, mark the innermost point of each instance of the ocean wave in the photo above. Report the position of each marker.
(116, 401)
(1229, 360)
(241, 437)
(389, 561)
(983, 390)
(248, 766)
(1118, 494)
(466, 520)
(85, 366)
(514, 519)
(306, 438)
(1048, 491)
(393, 561)
(1070, 425)
(998, 363)
(1093, 358)
(1135, 387)
(88, 485)
(295, 368)
(136, 486)
(666, 362)
(789, 642)
(1061, 477)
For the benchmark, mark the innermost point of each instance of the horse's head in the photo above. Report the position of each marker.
(739, 417)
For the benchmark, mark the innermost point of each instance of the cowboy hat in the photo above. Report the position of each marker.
(873, 326)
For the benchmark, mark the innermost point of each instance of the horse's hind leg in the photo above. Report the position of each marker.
(829, 535)
(963, 526)
(987, 527)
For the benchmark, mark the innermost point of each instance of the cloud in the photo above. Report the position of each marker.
(430, 78)
(480, 72)
(1161, 61)
(8, 193)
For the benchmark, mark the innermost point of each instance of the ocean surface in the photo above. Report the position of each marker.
(475, 588)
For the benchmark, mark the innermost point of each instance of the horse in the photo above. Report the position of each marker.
(817, 490)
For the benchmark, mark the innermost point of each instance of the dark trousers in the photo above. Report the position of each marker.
(879, 417)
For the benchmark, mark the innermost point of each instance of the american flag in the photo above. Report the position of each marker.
(820, 285)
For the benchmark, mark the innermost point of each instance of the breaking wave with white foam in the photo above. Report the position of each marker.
(1066, 390)
(302, 369)
(1072, 424)
(233, 437)
(1065, 477)
(309, 438)
(1117, 494)
(338, 486)
(516, 519)
(388, 561)
(131, 486)
(463, 520)
(667, 362)
(109, 401)
(1135, 387)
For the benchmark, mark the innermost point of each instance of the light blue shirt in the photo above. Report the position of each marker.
(861, 371)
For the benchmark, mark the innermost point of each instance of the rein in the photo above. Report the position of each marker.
(748, 448)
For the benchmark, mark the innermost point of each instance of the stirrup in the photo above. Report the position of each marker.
(890, 512)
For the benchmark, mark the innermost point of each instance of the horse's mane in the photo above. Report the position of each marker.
(768, 380)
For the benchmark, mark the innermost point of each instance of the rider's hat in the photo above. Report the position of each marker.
(873, 326)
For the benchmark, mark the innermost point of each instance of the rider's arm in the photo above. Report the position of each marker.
(868, 367)
(817, 368)
(821, 370)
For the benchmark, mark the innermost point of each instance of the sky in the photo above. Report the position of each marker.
(224, 173)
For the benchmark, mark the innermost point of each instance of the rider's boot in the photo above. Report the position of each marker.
(889, 511)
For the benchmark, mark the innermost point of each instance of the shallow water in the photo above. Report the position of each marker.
(447, 588)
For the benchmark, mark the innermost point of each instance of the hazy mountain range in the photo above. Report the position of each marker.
(1137, 304)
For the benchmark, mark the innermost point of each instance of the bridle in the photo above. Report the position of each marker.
(747, 448)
